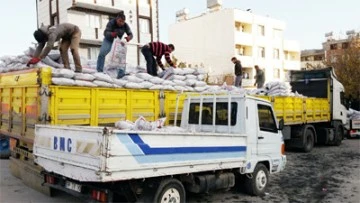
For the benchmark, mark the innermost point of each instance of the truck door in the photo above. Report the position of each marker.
(268, 139)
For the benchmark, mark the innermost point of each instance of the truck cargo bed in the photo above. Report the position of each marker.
(97, 154)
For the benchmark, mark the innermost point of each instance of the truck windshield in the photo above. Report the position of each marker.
(221, 117)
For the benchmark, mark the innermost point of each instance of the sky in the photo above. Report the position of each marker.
(306, 21)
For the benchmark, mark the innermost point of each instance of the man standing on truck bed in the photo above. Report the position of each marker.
(259, 77)
(237, 71)
(116, 27)
(157, 49)
(70, 36)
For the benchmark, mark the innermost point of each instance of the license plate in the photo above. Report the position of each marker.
(73, 186)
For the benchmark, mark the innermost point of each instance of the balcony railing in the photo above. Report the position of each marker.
(243, 38)
(107, 6)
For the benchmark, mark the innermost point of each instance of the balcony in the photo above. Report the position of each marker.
(106, 6)
(243, 38)
(246, 61)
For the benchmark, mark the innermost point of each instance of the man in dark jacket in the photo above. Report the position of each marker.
(115, 28)
(157, 49)
(238, 71)
(70, 36)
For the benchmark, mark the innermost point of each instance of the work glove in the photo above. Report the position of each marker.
(34, 60)
(113, 34)
(127, 38)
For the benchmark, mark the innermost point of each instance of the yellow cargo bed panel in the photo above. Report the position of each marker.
(298, 110)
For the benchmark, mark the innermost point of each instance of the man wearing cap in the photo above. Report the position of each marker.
(70, 36)
(115, 28)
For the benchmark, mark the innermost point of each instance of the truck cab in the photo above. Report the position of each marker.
(321, 83)
(238, 115)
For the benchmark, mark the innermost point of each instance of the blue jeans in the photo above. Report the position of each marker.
(104, 50)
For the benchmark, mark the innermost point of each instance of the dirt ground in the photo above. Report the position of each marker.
(327, 174)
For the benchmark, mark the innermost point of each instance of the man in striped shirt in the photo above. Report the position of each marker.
(157, 49)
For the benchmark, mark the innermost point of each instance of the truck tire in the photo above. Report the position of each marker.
(309, 140)
(257, 184)
(339, 135)
(170, 190)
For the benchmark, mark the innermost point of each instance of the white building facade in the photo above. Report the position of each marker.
(92, 17)
(213, 38)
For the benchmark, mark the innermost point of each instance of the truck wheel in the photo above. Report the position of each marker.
(309, 141)
(170, 190)
(257, 184)
(339, 135)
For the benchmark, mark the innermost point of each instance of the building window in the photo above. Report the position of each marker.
(239, 50)
(93, 53)
(93, 21)
(54, 19)
(261, 30)
(261, 52)
(286, 55)
(239, 27)
(345, 45)
(144, 25)
(333, 59)
(276, 53)
(318, 58)
(333, 46)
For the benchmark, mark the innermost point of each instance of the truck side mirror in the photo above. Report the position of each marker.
(281, 124)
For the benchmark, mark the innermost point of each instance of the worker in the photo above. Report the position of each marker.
(237, 71)
(259, 77)
(70, 36)
(116, 27)
(157, 49)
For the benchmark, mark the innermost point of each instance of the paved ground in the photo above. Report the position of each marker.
(327, 174)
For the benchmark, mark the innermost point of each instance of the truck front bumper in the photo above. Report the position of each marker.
(283, 162)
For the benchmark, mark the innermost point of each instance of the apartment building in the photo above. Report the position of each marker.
(212, 38)
(92, 16)
(312, 59)
(333, 48)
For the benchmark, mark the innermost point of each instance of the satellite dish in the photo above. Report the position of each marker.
(329, 34)
(350, 32)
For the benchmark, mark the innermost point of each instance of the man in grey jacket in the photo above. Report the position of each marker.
(70, 36)
(259, 77)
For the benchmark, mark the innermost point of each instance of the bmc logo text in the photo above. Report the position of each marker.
(62, 144)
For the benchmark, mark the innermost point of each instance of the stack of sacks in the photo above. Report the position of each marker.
(278, 88)
(353, 114)
(141, 124)
(186, 79)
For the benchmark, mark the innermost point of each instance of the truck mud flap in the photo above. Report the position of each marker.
(29, 174)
